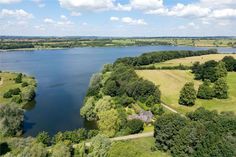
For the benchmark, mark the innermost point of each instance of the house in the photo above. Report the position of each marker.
(145, 116)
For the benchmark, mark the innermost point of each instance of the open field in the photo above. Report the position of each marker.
(8, 82)
(135, 148)
(188, 61)
(171, 82)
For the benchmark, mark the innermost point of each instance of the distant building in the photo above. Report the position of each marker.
(145, 116)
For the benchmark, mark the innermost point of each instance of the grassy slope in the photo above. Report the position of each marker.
(136, 148)
(171, 82)
(188, 61)
(9, 83)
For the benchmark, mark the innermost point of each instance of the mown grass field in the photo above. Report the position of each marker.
(188, 61)
(8, 82)
(171, 82)
(135, 148)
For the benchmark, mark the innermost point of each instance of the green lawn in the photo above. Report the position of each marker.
(171, 82)
(135, 148)
(8, 82)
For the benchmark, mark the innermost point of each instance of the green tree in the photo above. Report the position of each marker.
(11, 120)
(35, 150)
(100, 145)
(104, 104)
(44, 138)
(230, 63)
(18, 78)
(61, 150)
(110, 88)
(109, 122)
(205, 91)
(221, 89)
(221, 70)
(135, 126)
(88, 110)
(166, 127)
(187, 95)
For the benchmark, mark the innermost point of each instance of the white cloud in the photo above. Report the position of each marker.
(84, 23)
(224, 13)
(146, 4)
(87, 4)
(19, 14)
(63, 17)
(74, 13)
(9, 1)
(114, 18)
(130, 21)
(48, 20)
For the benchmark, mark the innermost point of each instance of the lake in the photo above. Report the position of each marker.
(63, 77)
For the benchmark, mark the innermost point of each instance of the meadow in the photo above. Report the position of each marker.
(171, 82)
(135, 148)
(8, 82)
(188, 61)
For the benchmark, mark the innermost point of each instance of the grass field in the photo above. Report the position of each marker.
(188, 61)
(8, 82)
(135, 148)
(171, 82)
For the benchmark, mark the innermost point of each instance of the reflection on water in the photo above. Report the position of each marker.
(30, 105)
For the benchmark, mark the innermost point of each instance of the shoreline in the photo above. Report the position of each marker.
(33, 49)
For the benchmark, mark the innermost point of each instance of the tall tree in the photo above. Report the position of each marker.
(187, 95)
(221, 89)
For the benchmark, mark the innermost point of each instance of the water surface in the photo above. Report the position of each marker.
(63, 77)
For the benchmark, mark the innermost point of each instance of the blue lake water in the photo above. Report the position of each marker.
(63, 77)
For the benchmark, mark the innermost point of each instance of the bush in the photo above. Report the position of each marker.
(17, 99)
(24, 84)
(135, 126)
(61, 150)
(28, 95)
(43, 138)
(187, 95)
(7, 95)
(11, 120)
(18, 78)
(230, 63)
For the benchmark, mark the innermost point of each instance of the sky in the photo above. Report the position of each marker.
(118, 18)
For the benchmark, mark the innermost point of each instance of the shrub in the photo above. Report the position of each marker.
(18, 78)
(135, 126)
(24, 84)
(17, 99)
(7, 95)
(187, 95)
(230, 63)
(28, 95)
(43, 138)
(61, 150)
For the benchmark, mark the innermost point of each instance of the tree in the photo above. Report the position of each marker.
(230, 63)
(104, 104)
(135, 126)
(221, 70)
(36, 150)
(109, 122)
(18, 78)
(87, 111)
(187, 95)
(100, 145)
(11, 120)
(221, 89)
(43, 138)
(110, 88)
(61, 150)
(166, 127)
(205, 91)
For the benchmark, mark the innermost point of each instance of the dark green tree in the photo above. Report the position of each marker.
(135, 126)
(221, 89)
(221, 70)
(230, 63)
(187, 95)
(18, 78)
(205, 91)
(44, 138)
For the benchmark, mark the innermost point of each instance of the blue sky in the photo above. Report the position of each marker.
(118, 17)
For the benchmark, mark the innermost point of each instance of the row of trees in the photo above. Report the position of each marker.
(188, 94)
(200, 133)
(157, 57)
